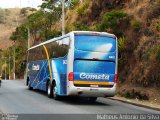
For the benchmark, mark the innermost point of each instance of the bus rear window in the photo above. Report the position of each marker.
(95, 43)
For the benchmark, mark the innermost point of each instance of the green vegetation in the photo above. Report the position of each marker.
(6, 57)
(25, 11)
(158, 26)
(82, 9)
(111, 20)
(136, 25)
(41, 26)
(80, 26)
(121, 49)
(158, 54)
(73, 3)
(121, 44)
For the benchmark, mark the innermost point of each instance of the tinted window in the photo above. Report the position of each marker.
(95, 43)
(37, 54)
(55, 49)
(58, 48)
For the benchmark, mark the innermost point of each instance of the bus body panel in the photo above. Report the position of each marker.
(59, 72)
(38, 74)
(94, 67)
(91, 91)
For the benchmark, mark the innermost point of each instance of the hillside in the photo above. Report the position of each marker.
(136, 23)
(9, 20)
(7, 26)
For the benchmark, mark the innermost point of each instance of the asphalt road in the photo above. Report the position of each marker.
(15, 98)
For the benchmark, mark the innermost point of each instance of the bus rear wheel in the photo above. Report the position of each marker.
(55, 96)
(49, 90)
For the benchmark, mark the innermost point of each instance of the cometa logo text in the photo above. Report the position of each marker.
(94, 77)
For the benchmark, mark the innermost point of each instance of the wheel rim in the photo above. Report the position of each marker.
(49, 89)
(54, 91)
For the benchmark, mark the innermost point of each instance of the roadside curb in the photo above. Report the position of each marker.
(136, 104)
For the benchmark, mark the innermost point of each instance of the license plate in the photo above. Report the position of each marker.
(94, 86)
(93, 89)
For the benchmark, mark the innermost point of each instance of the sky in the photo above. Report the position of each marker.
(19, 3)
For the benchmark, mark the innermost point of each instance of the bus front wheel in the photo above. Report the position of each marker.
(29, 85)
(49, 90)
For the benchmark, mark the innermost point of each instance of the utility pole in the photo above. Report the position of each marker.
(1, 71)
(14, 75)
(28, 37)
(5, 68)
(14, 61)
(9, 64)
(63, 18)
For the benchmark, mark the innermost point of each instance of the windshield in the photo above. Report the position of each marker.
(95, 43)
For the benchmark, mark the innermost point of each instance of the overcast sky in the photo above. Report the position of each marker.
(19, 3)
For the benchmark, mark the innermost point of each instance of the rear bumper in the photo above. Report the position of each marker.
(90, 92)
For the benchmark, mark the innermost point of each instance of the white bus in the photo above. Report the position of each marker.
(80, 63)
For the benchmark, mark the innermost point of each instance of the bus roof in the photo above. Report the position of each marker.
(76, 33)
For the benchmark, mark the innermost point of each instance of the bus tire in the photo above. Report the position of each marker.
(92, 99)
(49, 90)
(55, 96)
(29, 85)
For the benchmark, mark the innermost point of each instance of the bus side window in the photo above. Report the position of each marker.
(58, 48)
(52, 47)
(42, 54)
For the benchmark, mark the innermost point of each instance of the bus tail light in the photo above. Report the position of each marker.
(71, 76)
(115, 78)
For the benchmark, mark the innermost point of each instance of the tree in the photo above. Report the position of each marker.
(55, 6)
(20, 33)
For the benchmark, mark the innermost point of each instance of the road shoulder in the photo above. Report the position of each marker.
(140, 103)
